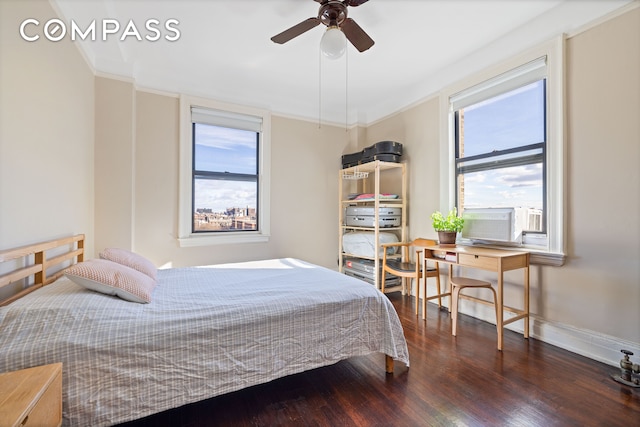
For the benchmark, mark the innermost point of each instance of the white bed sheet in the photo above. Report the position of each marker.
(208, 331)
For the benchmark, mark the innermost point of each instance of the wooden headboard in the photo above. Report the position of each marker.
(32, 261)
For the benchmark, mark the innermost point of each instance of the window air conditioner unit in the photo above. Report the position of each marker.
(493, 224)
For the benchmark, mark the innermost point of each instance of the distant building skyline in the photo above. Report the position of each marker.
(234, 218)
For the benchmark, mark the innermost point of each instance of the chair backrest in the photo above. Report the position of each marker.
(418, 244)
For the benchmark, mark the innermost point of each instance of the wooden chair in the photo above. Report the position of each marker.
(457, 285)
(413, 265)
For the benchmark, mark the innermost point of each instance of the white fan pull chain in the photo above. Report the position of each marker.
(346, 90)
(319, 88)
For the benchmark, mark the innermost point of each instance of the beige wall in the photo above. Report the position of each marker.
(602, 277)
(46, 133)
(156, 178)
(598, 289)
(304, 198)
(417, 130)
(114, 163)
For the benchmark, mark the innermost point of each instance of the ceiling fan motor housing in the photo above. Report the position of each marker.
(333, 13)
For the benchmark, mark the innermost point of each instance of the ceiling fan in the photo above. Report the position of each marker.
(333, 14)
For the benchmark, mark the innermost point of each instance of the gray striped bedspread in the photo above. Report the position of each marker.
(207, 331)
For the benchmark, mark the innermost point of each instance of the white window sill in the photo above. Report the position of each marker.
(194, 240)
(541, 254)
(547, 258)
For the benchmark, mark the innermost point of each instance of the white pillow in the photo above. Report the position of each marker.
(111, 278)
(130, 259)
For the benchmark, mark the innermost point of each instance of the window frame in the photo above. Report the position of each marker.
(187, 237)
(488, 164)
(549, 249)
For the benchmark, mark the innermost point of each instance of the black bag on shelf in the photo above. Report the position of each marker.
(353, 159)
(383, 147)
(386, 151)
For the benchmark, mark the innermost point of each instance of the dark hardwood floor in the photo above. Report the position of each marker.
(462, 381)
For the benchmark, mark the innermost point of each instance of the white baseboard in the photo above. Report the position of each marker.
(600, 347)
(596, 346)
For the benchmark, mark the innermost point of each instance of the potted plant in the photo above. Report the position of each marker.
(447, 226)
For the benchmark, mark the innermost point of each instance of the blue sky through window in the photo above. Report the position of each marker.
(220, 149)
(513, 119)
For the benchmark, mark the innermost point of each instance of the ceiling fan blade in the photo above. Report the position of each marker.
(356, 35)
(295, 31)
(355, 3)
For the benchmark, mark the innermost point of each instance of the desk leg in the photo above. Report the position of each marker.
(499, 308)
(450, 289)
(526, 301)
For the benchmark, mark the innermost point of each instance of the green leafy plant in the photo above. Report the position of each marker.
(452, 222)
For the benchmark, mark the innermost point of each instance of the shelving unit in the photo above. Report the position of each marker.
(376, 177)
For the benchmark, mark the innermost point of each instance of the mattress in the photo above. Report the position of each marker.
(207, 331)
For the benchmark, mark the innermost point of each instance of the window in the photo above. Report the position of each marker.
(505, 146)
(500, 153)
(224, 174)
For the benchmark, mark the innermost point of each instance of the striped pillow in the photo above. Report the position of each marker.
(130, 259)
(111, 278)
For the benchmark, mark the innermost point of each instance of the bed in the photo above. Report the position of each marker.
(207, 331)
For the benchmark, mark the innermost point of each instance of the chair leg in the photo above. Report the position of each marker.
(455, 291)
(455, 296)
(439, 290)
(424, 298)
(417, 295)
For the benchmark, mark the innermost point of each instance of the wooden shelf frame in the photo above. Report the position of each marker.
(376, 168)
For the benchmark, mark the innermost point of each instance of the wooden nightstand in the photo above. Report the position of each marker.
(32, 397)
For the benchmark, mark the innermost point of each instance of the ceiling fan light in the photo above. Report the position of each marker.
(333, 43)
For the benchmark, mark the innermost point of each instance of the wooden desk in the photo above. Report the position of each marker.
(496, 260)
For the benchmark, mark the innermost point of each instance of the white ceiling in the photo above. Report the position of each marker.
(225, 53)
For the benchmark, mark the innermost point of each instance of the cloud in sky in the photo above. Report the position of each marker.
(519, 186)
(220, 149)
(224, 138)
(219, 195)
(523, 176)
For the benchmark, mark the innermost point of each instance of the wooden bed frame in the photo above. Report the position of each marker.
(35, 270)
(32, 264)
